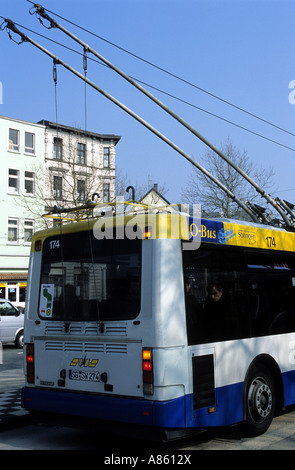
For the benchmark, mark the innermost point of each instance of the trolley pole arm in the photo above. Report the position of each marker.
(10, 25)
(287, 206)
(54, 24)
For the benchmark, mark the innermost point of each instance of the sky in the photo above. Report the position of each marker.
(241, 51)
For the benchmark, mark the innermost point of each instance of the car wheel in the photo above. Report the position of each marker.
(19, 340)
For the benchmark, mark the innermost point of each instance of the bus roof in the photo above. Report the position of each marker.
(246, 234)
(181, 226)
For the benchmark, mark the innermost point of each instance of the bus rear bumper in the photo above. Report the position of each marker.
(173, 416)
(168, 414)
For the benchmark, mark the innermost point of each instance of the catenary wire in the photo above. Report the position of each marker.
(169, 73)
(164, 92)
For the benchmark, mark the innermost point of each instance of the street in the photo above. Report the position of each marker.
(12, 358)
(21, 434)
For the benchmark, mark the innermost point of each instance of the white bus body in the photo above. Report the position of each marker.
(137, 366)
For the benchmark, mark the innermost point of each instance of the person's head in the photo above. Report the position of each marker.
(215, 292)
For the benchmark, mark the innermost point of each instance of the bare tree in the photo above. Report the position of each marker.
(213, 200)
(79, 180)
(65, 181)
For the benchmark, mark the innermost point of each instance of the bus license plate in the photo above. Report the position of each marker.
(84, 375)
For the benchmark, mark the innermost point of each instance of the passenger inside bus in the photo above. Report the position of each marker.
(217, 313)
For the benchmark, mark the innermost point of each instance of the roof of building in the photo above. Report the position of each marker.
(36, 124)
(154, 192)
(83, 132)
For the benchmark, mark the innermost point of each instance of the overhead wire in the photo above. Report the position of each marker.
(85, 85)
(183, 80)
(280, 206)
(169, 73)
(160, 91)
(10, 26)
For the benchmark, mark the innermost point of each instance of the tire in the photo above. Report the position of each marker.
(260, 401)
(19, 340)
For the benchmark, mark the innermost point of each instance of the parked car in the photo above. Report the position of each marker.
(11, 324)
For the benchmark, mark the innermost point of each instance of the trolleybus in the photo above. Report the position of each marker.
(142, 329)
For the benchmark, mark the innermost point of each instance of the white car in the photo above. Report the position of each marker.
(11, 324)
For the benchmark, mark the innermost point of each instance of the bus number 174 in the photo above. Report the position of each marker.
(54, 244)
(271, 242)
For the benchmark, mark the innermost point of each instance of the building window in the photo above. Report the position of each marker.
(28, 231)
(81, 153)
(29, 142)
(57, 187)
(57, 148)
(12, 291)
(106, 157)
(12, 230)
(81, 190)
(106, 192)
(14, 140)
(13, 181)
(29, 183)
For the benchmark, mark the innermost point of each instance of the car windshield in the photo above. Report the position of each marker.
(7, 309)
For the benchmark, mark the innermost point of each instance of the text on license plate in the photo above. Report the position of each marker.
(84, 375)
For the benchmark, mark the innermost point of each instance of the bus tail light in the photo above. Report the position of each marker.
(147, 372)
(38, 245)
(30, 361)
(147, 232)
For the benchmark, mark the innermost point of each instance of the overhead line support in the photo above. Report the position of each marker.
(26, 38)
(54, 24)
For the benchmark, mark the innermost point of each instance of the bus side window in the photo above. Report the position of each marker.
(272, 278)
(219, 288)
(194, 309)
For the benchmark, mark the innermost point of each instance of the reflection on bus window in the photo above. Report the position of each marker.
(93, 279)
(272, 283)
(233, 293)
(217, 286)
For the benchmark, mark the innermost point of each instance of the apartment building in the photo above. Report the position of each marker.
(78, 164)
(45, 164)
(21, 153)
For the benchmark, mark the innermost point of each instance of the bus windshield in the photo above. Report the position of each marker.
(86, 279)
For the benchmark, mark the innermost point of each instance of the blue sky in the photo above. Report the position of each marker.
(239, 50)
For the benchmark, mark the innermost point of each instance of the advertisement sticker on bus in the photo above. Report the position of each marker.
(46, 300)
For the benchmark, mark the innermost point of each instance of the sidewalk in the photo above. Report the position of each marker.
(11, 383)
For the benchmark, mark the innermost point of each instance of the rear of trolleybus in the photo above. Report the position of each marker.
(108, 335)
(105, 331)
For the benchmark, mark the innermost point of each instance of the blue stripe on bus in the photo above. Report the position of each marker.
(144, 412)
(289, 387)
(207, 231)
(228, 408)
(176, 413)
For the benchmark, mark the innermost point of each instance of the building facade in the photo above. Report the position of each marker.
(21, 153)
(43, 165)
(78, 164)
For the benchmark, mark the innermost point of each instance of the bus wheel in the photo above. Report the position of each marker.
(260, 401)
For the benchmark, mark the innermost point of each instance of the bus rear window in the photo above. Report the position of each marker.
(87, 279)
